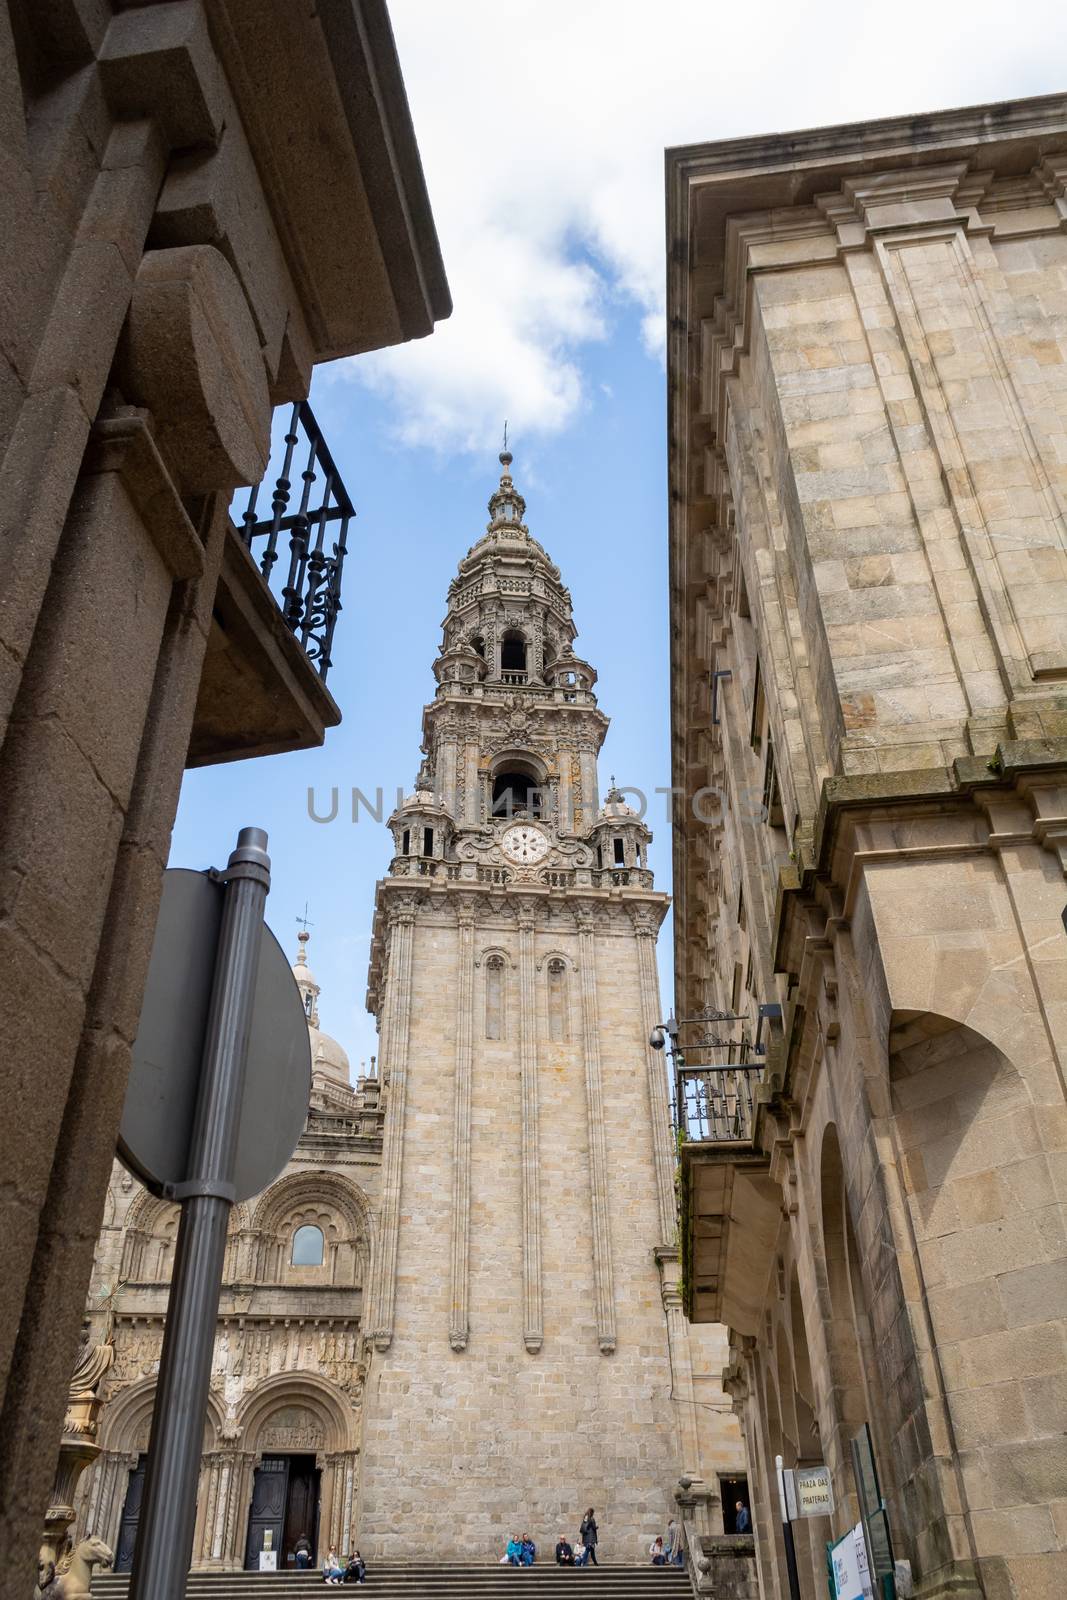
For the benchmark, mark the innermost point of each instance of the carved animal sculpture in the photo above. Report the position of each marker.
(73, 1582)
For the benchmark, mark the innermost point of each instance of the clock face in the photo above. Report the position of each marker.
(524, 844)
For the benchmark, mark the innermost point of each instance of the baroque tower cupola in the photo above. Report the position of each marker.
(513, 732)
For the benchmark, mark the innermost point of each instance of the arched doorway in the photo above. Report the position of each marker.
(284, 1511)
(301, 1445)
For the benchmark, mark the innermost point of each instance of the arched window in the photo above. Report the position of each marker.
(405, 843)
(513, 652)
(308, 1247)
(557, 1000)
(516, 794)
(494, 997)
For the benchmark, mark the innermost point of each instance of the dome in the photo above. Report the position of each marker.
(328, 1057)
(420, 800)
(615, 808)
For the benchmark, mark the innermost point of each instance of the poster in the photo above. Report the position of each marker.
(848, 1558)
(268, 1561)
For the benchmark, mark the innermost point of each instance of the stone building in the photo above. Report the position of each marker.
(868, 494)
(200, 201)
(281, 1445)
(528, 1353)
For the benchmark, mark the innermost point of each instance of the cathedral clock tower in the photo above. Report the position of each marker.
(528, 1353)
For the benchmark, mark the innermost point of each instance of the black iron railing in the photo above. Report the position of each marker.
(717, 1102)
(310, 598)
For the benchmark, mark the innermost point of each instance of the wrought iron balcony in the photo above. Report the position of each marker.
(717, 1103)
(310, 597)
(714, 1099)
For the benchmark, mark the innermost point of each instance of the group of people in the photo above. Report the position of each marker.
(523, 1552)
(669, 1552)
(354, 1570)
(520, 1552)
(582, 1552)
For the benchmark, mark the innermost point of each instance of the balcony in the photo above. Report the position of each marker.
(263, 688)
(729, 1208)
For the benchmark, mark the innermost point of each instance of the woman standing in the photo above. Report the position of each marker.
(587, 1533)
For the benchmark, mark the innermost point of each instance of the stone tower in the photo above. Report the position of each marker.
(529, 1353)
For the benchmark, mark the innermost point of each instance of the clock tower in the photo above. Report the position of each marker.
(528, 1353)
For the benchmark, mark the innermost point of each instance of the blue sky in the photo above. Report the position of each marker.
(595, 498)
(542, 125)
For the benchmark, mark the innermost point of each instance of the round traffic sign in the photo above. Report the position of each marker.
(157, 1119)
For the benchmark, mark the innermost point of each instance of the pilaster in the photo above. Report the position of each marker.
(395, 1035)
(532, 1292)
(603, 1273)
(646, 925)
(459, 1321)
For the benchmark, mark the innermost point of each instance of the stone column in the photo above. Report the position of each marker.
(237, 1503)
(533, 1331)
(107, 1481)
(446, 776)
(472, 791)
(394, 1056)
(604, 1275)
(685, 1413)
(590, 799)
(459, 1317)
(565, 821)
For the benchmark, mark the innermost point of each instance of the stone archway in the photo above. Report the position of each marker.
(125, 1428)
(974, 1147)
(300, 1415)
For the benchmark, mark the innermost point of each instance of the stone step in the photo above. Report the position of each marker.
(444, 1581)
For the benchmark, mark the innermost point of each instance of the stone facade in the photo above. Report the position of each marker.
(868, 433)
(178, 255)
(289, 1370)
(530, 1356)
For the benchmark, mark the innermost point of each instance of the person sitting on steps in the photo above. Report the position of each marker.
(657, 1552)
(513, 1554)
(528, 1554)
(356, 1570)
(332, 1571)
(564, 1552)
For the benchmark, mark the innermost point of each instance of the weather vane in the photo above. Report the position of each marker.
(505, 434)
(303, 921)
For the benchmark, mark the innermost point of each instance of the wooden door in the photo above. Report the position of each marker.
(301, 1510)
(131, 1512)
(267, 1511)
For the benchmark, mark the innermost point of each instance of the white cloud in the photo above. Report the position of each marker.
(542, 125)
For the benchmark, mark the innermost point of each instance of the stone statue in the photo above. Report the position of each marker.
(60, 1568)
(72, 1578)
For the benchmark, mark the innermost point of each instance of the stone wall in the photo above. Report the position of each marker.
(508, 1432)
(869, 548)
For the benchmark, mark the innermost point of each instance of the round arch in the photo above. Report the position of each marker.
(335, 1205)
(348, 1198)
(127, 1419)
(312, 1410)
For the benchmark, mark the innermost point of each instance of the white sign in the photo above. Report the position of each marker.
(814, 1492)
(862, 1563)
(268, 1561)
(852, 1577)
(847, 1582)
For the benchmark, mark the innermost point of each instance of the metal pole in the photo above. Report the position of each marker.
(168, 1512)
(787, 1533)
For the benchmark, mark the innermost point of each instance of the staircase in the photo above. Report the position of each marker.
(543, 1582)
